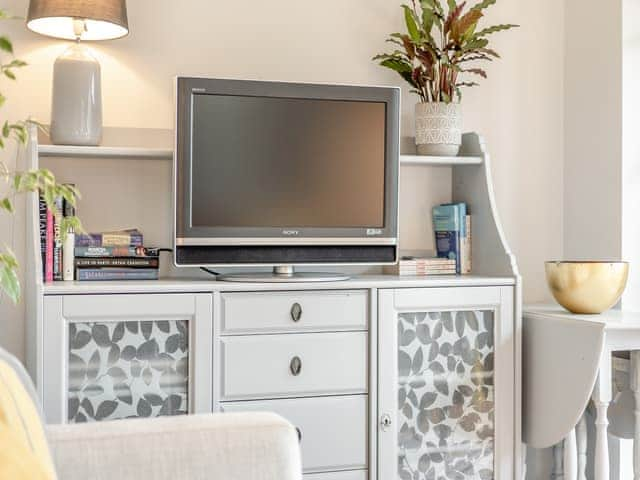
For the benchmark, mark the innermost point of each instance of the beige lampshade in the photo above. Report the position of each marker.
(103, 19)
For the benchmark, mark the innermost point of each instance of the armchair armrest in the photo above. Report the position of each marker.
(230, 446)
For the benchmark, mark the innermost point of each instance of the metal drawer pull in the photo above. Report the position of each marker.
(296, 312)
(299, 432)
(295, 366)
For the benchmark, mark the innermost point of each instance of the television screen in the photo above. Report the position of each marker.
(287, 162)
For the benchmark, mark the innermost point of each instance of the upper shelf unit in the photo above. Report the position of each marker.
(156, 144)
(61, 151)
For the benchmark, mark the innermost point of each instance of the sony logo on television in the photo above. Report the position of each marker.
(290, 233)
(374, 231)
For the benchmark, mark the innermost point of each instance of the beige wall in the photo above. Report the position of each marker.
(593, 131)
(519, 109)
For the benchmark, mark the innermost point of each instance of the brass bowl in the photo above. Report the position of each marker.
(587, 287)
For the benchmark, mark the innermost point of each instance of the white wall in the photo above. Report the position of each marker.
(593, 130)
(631, 150)
(519, 109)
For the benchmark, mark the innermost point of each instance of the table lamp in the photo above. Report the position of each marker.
(76, 106)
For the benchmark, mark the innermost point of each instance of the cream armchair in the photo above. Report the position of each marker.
(241, 446)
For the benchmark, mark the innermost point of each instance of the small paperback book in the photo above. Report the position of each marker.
(452, 227)
(448, 230)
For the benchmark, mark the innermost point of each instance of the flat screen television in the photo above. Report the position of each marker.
(285, 174)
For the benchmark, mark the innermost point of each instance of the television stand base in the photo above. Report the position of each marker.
(283, 274)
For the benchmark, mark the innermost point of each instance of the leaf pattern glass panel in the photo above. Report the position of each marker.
(127, 369)
(446, 395)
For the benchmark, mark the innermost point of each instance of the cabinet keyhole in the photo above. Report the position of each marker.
(295, 366)
(296, 312)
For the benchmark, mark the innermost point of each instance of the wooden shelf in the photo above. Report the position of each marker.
(439, 161)
(104, 152)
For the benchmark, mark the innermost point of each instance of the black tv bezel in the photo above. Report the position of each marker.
(206, 246)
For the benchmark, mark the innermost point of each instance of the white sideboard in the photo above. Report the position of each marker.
(384, 377)
(371, 371)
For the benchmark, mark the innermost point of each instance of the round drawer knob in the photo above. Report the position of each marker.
(296, 312)
(295, 366)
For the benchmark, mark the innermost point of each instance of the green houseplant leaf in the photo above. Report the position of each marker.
(439, 40)
(31, 182)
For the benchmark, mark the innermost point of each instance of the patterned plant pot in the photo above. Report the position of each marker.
(438, 128)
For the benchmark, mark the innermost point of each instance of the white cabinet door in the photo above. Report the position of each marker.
(447, 383)
(119, 356)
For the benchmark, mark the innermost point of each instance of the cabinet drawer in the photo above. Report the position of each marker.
(346, 475)
(275, 312)
(333, 430)
(264, 366)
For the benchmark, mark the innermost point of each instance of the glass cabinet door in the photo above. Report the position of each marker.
(445, 410)
(108, 357)
(446, 395)
(127, 369)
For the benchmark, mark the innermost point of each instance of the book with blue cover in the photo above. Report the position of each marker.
(452, 227)
(447, 225)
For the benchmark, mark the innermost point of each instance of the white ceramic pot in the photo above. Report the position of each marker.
(438, 128)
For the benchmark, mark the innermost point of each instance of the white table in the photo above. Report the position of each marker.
(567, 359)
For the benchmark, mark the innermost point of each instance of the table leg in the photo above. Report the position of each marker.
(634, 376)
(556, 471)
(601, 399)
(581, 441)
(570, 456)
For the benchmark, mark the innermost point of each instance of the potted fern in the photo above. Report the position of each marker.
(441, 46)
(15, 182)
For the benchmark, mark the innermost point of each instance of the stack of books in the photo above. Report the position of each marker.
(452, 227)
(114, 256)
(422, 267)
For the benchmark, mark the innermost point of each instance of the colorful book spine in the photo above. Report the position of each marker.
(68, 271)
(115, 252)
(126, 238)
(42, 219)
(466, 253)
(134, 262)
(48, 263)
(57, 238)
(448, 229)
(97, 274)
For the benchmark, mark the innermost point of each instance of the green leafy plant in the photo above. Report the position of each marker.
(440, 45)
(15, 182)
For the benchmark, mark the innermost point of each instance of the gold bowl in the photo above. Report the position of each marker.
(587, 287)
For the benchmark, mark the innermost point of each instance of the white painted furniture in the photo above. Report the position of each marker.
(323, 355)
(567, 360)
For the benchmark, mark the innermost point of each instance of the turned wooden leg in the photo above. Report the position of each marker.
(570, 460)
(581, 442)
(557, 471)
(601, 399)
(634, 376)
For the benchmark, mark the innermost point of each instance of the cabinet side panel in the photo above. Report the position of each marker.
(54, 360)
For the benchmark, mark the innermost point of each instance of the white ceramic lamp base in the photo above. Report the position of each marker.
(76, 109)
